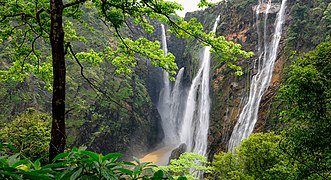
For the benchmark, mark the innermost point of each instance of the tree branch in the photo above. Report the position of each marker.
(11, 15)
(302, 162)
(95, 87)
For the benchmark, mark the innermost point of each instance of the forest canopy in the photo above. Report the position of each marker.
(38, 37)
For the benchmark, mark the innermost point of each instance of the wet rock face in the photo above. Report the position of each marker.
(228, 91)
(238, 24)
(263, 7)
(133, 134)
(177, 152)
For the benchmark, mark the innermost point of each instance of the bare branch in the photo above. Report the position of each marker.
(33, 49)
(25, 58)
(10, 15)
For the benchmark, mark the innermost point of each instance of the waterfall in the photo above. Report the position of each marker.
(260, 82)
(195, 125)
(176, 104)
(169, 103)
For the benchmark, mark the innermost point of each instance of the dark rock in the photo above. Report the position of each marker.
(177, 152)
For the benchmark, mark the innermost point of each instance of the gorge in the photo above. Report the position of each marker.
(123, 95)
(194, 123)
(262, 28)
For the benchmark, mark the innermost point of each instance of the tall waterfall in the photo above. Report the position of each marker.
(260, 81)
(176, 105)
(170, 101)
(195, 123)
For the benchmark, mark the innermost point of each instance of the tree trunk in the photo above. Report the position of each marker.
(58, 135)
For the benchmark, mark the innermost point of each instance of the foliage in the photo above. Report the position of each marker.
(123, 56)
(107, 127)
(327, 18)
(79, 164)
(310, 24)
(25, 43)
(16, 97)
(257, 157)
(29, 134)
(242, 5)
(189, 164)
(204, 3)
(29, 28)
(307, 95)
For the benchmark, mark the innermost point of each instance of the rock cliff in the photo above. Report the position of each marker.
(238, 23)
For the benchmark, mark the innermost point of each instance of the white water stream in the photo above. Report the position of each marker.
(260, 82)
(195, 125)
(170, 101)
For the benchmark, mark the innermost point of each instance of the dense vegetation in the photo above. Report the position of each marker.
(77, 164)
(307, 120)
(30, 28)
(29, 134)
(302, 148)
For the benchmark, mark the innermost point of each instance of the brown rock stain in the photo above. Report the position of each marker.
(240, 36)
(269, 95)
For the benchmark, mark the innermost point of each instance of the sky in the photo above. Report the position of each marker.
(189, 5)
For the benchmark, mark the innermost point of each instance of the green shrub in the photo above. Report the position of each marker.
(257, 157)
(29, 134)
(189, 165)
(79, 164)
(306, 95)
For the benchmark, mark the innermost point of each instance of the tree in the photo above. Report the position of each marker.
(28, 28)
(257, 157)
(307, 94)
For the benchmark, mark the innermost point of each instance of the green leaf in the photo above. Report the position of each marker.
(108, 174)
(37, 164)
(63, 175)
(91, 154)
(11, 147)
(76, 174)
(19, 163)
(125, 171)
(40, 175)
(14, 176)
(3, 157)
(13, 159)
(145, 164)
(60, 156)
(129, 163)
(136, 160)
(82, 148)
(158, 174)
(55, 165)
(112, 156)
(74, 149)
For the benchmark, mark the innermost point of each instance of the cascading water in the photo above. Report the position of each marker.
(195, 125)
(260, 82)
(163, 105)
(176, 105)
(170, 101)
